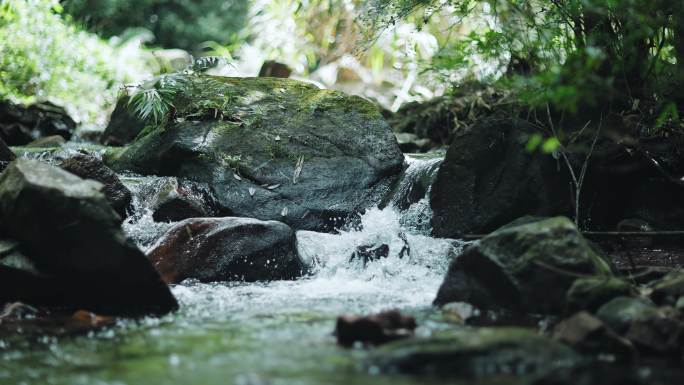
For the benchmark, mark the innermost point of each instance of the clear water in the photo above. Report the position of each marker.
(256, 333)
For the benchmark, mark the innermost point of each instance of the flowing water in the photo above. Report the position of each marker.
(257, 333)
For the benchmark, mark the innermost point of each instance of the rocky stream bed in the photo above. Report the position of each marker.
(270, 232)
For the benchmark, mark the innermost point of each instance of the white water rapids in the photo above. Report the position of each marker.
(256, 333)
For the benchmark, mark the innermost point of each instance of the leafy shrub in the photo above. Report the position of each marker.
(44, 57)
(175, 24)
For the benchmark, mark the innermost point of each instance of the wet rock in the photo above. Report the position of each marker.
(70, 235)
(525, 268)
(669, 289)
(227, 249)
(274, 149)
(658, 332)
(592, 292)
(480, 353)
(375, 329)
(90, 167)
(620, 312)
(23, 321)
(177, 200)
(411, 143)
(272, 68)
(369, 253)
(588, 334)
(488, 179)
(6, 155)
(48, 141)
(20, 125)
(414, 183)
(124, 125)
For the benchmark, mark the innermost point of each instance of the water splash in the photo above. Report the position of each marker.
(139, 226)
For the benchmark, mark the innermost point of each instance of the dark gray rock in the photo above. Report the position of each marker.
(488, 179)
(20, 125)
(592, 292)
(273, 149)
(479, 353)
(227, 249)
(48, 141)
(525, 268)
(375, 329)
(620, 312)
(6, 155)
(177, 200)
(90, 167)
(69, 233)
(124, 125)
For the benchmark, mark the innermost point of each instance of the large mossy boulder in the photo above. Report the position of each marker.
(524, 268)
(76, 256)
(488, 179)
(227, 249)
(482, 353)
(272, 149)
(20, 124)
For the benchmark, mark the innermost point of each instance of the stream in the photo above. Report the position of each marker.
(257, 333)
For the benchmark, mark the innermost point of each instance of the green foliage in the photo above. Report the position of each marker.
(44, 57)
(175, 24)
(154, 101)
(573, 54)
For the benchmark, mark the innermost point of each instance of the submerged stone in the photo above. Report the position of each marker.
(525, 268)
(480, 353)
(273, 149)
(375, 329)
(227, 249)
(67, 230)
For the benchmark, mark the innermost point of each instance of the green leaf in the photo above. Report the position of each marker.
(533, 142)
(550, 145)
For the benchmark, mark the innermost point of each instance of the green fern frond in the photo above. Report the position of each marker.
(152, 103)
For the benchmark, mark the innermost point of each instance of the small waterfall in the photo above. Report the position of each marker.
(412, 194)
(140, 226)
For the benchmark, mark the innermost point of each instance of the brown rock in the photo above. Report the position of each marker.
(375, 329)
(273, 69)
(227, 249)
